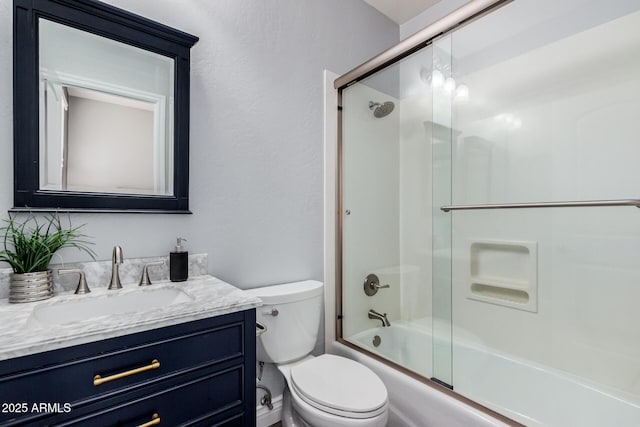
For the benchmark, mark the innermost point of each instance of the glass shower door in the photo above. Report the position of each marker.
(441, 148)
(545, 321)
(387, 217)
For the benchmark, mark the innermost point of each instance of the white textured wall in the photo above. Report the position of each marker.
(429, 16)
(256, 132)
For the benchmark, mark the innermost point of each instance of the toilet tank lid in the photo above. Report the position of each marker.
(287, 292)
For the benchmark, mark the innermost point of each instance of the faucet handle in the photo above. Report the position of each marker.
(82, 287)
(372, 284)
(144, 280)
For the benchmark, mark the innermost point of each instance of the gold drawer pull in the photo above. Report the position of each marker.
(155, 420)
(97, 380)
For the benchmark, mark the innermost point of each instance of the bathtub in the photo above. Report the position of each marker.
(550, 398)
(404, 344)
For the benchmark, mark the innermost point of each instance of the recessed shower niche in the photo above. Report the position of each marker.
(504, 272)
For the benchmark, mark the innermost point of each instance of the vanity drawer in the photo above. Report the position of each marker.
(136, 361)
(204, 398)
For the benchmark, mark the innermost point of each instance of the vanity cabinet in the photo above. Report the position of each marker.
(200, 373)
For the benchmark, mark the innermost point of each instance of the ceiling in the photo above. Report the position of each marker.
(401, 11)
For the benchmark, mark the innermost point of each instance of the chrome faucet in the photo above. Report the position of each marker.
(381, 317)
(116, 259)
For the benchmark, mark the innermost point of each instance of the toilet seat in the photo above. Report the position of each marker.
(339, 386)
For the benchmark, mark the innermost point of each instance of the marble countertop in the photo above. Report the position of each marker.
(23, 333)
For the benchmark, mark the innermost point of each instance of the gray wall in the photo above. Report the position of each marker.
(256, 132)
(429, 16)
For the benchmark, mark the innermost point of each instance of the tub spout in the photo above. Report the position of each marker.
(381, 317)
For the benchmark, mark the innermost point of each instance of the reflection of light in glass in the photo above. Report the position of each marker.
(510, 121)
(425, 75)
(449, 85)
(437, 79)
(462, 92)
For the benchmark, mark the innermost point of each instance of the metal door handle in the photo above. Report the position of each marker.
(273, 312)
(97, 380)
(155, 420)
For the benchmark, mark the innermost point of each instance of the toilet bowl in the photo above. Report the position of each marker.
(335, 391)
(322, 391)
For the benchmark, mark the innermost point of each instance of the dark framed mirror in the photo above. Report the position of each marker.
(101, 109)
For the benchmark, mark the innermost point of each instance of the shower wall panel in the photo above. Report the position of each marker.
(370, 195)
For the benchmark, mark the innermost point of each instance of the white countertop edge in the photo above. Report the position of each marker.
(102, 330)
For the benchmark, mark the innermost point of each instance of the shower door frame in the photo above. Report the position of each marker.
(458, 18)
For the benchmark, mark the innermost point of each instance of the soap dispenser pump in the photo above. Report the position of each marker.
(179, 262)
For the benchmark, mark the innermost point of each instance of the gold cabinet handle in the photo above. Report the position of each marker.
(155, 420)
(97, 380)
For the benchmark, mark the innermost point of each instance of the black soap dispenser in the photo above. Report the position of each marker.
(179, 263)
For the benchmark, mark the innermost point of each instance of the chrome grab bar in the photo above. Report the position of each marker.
(572, 204)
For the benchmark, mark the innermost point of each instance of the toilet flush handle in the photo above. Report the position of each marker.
(273, 312)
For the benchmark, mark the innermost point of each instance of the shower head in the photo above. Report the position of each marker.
(381, 110)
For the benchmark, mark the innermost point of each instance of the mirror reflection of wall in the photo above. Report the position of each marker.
(95, 158)
(106, 124)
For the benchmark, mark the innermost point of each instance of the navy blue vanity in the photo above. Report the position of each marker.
(199, 373)
(186, 360)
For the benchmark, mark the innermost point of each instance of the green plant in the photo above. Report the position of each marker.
(30, 245)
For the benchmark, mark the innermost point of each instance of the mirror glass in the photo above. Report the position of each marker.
(106, 114)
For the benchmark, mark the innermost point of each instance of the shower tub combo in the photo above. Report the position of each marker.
(487, 179)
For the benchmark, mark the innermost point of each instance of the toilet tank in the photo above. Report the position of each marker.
(291, 312)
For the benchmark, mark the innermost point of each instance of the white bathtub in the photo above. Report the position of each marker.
(406, 345)
(531, 394)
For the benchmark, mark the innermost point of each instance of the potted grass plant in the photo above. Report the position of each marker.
(28, 247)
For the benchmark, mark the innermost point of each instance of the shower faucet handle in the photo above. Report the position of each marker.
(372, 284)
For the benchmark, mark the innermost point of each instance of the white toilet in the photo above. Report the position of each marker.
(323, 391)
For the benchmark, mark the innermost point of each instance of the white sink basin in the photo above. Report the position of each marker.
(111, 303)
